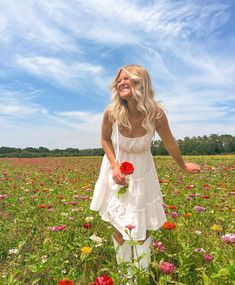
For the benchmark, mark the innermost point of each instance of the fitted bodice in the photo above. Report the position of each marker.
(127, 144)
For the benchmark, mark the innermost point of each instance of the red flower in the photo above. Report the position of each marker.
(169, 226)
(172, 207)
(65, 282)
(57, 228)
(127, 168)
(87, 226)
(205, 197)
(103, 280)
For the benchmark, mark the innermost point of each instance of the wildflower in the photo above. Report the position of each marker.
(44, 259)
(86, 249)
(158, 245)
(130, 227)
(199, 250)
(3, 196)
(89, 219)
(97, 240)
(174, 215)
(103, 280)
(13, 251)
(172, 207)
(208, 257)
(86, 226)
(187, 215)
(127, 168)
(199, 208)
(228, 238)
(216, 228)
(167, 267)
(57, 228)
(169, 226)
(65, 281)
(198, 233)
(205, 197)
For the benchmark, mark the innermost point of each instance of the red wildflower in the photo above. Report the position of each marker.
(65, 281)
(42, 206)
(103, 280)
(169, 226)
(87, 226)
(127, 168)
(172, 207)
(205, 197)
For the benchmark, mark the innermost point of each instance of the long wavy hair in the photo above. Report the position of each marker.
(143, 93)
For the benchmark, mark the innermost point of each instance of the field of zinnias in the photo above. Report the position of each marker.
(48, 235)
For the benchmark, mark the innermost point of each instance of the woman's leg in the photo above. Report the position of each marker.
(118, 237)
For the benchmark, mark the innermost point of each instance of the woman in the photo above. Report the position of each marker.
(128, 127)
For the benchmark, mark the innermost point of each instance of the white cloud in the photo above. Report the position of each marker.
(71, 75)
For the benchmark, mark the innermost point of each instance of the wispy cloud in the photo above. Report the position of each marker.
(57, 55)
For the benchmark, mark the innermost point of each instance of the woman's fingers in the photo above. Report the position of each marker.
(192, 167)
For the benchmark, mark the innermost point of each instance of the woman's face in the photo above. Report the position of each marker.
(124, 85)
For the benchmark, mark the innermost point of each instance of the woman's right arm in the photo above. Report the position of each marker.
(107, 145)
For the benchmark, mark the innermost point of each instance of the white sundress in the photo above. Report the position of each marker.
(142, 205)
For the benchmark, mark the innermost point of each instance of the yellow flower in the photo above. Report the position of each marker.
(233, 210)
(86, 249)
(216, 228)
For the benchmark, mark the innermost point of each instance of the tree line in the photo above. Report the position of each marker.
(205, 145)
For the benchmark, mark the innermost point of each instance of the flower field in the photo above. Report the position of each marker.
(48, 235)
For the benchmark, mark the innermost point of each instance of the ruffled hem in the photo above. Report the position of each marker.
(151, 217)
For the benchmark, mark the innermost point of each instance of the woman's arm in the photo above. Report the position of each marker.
(169, 142)
(107, 145)
(171, 145)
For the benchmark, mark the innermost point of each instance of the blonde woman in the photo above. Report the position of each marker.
(128, 127)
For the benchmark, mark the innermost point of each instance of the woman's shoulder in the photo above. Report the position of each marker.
(107, 114)
(160, 114)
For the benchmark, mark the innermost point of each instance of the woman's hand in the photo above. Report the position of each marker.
(192, 167)
(118, 176)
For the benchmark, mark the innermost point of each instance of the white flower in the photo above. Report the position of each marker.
(13, 251)
(64, 214)
(89, 219)
(97, 240)
(198, 233)
(44, 259)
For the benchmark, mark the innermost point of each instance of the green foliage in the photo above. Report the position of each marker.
(211, 145)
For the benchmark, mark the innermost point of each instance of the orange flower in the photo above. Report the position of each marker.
(42, 206)
(187, 215)
(169, 226)
(172, 207)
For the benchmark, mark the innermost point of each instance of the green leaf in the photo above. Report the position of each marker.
(122, 191)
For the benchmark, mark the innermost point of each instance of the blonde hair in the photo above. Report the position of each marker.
(142, 92)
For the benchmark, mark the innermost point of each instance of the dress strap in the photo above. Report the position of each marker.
(117, 137)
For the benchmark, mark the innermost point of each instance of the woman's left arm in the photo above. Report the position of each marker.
(171, 145)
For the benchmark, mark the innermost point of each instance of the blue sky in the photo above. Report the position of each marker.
(57, 60)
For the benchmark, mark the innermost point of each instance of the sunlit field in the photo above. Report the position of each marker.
(48, 233)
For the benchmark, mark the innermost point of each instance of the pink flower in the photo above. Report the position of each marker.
(158, 245)
(130, 227)
(208, 257)
(174, 215)
(3, 196)
(228, 238)
(167, 267)
(57, 228)
(199, 208)
(103, 280)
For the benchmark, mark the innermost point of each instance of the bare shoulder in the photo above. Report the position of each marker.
(160, 118)
(106, 116)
